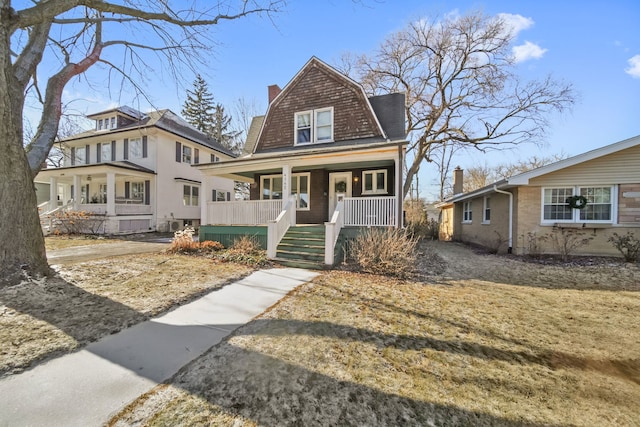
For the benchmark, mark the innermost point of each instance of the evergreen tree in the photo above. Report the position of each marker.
(199, 108)
(222, 132)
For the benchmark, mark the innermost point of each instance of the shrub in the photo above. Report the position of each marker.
(390, 251)
(77, 222)
(210, 246)
(534, 244)
(418, 223)
(566, 240)
(245, 250)
(183, 241)
(493, 245)
(628, 245)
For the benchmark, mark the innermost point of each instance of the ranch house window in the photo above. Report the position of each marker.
(467, 213)
(486, 217)
(599, 207)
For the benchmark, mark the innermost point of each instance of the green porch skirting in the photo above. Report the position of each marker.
(227, 234)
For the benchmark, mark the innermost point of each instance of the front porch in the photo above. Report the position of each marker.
(121, 196)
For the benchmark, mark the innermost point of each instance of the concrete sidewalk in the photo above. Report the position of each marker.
(87, 387)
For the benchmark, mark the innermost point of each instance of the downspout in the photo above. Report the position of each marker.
(495, 188)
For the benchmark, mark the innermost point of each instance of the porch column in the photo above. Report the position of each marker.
(111, 194)
(206, 189)
(286, 184)
(53, 193)
(77, 192)
(399, 185)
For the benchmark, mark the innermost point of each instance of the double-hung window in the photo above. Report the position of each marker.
(137, 191)
(314, 126)
(467, 212)
(486, 212)
(186, 154)
(135, 148)
(81, 156)
(105, 152)
(190, 195)
(374, 182)
(599, 207)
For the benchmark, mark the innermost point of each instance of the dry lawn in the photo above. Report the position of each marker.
(89, 300)
(489, 341)
(64, 242)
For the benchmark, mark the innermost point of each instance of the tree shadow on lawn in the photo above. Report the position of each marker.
(83, 316)
(625, 369)
(270, 391)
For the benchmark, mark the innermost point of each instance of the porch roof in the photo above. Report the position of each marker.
(96, 168)
(327, 156)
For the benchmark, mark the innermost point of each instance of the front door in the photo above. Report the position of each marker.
(339, 187)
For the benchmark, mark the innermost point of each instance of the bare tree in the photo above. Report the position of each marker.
(459, 78)
(79, 34)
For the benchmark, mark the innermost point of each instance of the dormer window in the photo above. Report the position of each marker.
(314, 126)
(106, 124)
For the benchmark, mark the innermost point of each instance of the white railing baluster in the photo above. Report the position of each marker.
(370, 211)
(249, 212)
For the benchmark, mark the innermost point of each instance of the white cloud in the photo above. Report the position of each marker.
(515, 23)
(527, 51)
(634, 67)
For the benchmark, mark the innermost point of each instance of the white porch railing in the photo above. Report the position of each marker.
(370, 211)
(278, 227)
(332, 232)
(126, 209)
(250, 212)
(98, 208)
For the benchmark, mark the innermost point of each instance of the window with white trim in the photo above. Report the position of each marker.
(374, 182)
(467, 212)
(271, 188)
(190, 195)
(105, 152)
(599, 207)
(313, 126)
(486, 211)
(137, 191)
(220, 196)
(81, 156)
(135, 148)
(186, 154)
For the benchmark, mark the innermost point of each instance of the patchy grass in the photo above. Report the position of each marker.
(354, 349)
(89, 300)
(62, 242)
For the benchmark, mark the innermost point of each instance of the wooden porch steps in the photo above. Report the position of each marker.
(302, 247)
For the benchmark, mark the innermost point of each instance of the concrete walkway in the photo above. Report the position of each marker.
(102, 250)
(87, 387)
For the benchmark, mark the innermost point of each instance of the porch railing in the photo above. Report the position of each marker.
(249, 212)
(278, 227)
(370, 211)
(332, 232)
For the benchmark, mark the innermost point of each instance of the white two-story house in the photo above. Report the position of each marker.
(135, 169)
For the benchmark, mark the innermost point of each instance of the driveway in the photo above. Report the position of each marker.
(90, 252)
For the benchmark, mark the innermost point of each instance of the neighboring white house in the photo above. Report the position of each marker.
(136, 170)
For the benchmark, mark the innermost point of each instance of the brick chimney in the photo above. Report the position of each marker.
(274, 90)
(458, 179)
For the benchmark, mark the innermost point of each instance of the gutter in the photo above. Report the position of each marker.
(495, 188)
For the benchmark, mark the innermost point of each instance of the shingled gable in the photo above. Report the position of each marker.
(316, 86)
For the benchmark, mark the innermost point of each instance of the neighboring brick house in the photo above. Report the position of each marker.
(327, 147)
(537, 203)
(135, 170)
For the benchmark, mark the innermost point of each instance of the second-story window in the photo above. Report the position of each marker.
(105, 152)
(186, 154)
(135, 148)
(81, 156)
(314, 126)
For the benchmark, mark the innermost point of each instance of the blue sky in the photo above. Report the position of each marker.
(595, 45)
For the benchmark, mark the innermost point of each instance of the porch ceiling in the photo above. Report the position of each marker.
(245, 168)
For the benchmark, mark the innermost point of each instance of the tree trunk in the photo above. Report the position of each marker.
(21, 240)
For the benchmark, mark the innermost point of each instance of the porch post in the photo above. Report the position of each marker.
(77, 193)
(53, 193)
(111, 194)
(204, 200)
(286, 184)
(399, 186)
